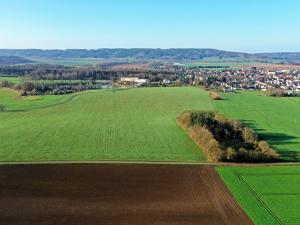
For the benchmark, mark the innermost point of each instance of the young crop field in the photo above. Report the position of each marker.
(133, 124)
(269, 195)
(12, 100)
(276, 120)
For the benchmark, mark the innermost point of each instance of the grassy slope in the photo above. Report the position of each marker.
(14, 102)
(68, 61)
(275, 119)
(135, 124)
(269, 195)
(15, 80)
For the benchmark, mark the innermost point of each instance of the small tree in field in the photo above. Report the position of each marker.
(2, 107)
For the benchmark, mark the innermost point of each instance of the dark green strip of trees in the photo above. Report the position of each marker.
(224, 139)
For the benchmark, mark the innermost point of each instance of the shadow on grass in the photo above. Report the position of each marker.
(277, 141)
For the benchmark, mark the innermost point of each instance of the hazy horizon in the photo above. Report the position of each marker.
(61, 49)
(252, 27)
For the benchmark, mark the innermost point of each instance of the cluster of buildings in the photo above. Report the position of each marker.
(227, 79)
(250, 79)
(133, 81)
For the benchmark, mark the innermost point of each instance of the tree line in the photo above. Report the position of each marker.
(58, 72)
(226, 140)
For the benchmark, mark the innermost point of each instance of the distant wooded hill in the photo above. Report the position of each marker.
(143, 53)
(10, 60)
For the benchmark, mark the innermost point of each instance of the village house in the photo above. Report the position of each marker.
(133, 81)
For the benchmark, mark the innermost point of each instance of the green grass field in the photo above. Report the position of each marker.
(68, 61)
(225, 64)
(79, 61)
(269, 195)
(276, 120)
(134, 124)
(14, 102)
(15, 80)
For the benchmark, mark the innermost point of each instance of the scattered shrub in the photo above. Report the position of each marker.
(275, 92)
(215, 96)
(2, 108)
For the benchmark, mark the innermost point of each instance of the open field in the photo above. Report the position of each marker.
(116, 195)
(276, 120)
(67, 61)
(134, 124)
(269, 195)
(15, 80)
(87, 61)
(238, 64)
(222, 64)
(12, 100)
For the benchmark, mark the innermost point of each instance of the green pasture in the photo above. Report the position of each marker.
(78, 61)
(133, 124)
(14, 80)
(277, 120)
(269, 195)
(67, 61)
(225, 63)
(12, 100)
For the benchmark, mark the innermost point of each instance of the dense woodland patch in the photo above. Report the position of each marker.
(225, 140)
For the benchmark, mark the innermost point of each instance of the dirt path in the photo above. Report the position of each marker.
(112, 194)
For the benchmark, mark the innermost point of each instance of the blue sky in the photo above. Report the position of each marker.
(237, 25)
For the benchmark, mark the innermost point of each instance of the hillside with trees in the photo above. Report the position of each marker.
(12, 60)
(150, 54)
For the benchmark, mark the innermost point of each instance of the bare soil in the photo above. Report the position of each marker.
(113, 194)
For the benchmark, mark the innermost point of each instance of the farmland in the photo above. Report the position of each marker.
(12, 100)
(114, 194)
(275, 119)
(269, 195)
(67, 61)
(14, 80)
(133, 124)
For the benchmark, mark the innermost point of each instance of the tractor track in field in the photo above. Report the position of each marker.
(69, 99)
(47, 106)
(259, 198)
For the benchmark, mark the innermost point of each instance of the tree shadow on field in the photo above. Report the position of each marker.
(278, 141)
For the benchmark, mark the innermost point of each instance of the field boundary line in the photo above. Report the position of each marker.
(269, 174)
(147, 162)
(274, 194)
(259, 199)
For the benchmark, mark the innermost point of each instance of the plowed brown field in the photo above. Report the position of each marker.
(110, 194)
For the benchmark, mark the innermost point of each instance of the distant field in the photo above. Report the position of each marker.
(14, 102)
(15, 80)
(224, 64)
(219, 65)
(80, 61)
(238, 64)
(269, 195)
(277, 120)
(134, 124)
(67, 61)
